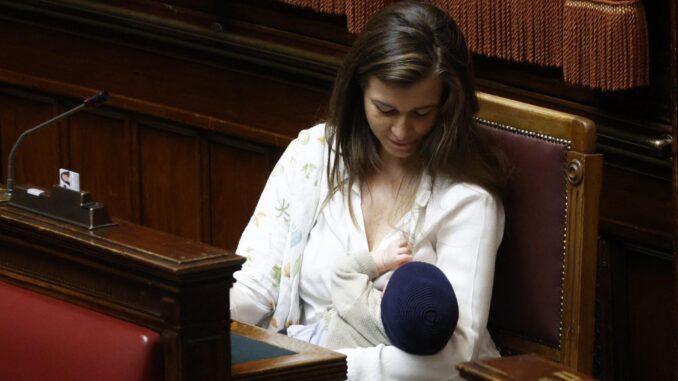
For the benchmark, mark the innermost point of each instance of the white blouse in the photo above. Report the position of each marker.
(335, 235)
(464, 225)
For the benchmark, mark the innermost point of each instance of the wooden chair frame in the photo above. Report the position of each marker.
(583, 176)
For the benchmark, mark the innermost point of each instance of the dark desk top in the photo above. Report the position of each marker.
(258, 354)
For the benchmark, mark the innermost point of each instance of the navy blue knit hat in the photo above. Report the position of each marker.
(419, 309)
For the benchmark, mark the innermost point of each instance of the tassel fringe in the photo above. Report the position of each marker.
(518, 30)
(605, 44)
(598, 43)
(334, 7)
(359, 11)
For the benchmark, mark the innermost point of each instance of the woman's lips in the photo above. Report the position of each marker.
(403, 144)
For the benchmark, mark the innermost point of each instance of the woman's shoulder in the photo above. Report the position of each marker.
(316, 132)
(310, 141)
(302, 161)
(450, 198)
(447, 189)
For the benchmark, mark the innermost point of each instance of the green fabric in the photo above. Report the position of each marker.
(244, 349)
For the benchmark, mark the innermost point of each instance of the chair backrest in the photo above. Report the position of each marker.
(544, 290)
(43, 338)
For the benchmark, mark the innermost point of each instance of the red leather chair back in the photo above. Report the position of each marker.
(528, 286)
(42, 338)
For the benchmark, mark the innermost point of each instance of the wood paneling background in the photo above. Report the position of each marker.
(101, 147)
(206, 94)
(185, 143)
(172, 177)
(238, 171)
(37, 162)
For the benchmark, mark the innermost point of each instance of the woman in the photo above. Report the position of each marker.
(399, 158)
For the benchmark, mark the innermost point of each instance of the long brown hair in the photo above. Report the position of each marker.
(402, 44)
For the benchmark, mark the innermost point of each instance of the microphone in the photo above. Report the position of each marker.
(97, 99)
(93, 101)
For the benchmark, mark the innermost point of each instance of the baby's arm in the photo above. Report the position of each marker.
(352, 279)
(353, 274)
(356, 316)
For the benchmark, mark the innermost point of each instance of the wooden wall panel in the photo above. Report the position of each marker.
(101, 150)
(649, 220)
(146, 73)
(238, 173)
(170, 178)
(634, 291)
(650, 296)
(38, 158)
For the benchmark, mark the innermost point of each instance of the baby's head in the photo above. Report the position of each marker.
(419, 309)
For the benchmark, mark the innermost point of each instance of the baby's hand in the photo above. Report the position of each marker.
(397, 253)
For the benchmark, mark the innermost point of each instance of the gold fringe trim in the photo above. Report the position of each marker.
(359, 11)
(598, 43)
(605, 44)
(518, 30)
(335, 7)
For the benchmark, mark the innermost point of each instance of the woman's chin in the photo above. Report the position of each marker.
(400, 154)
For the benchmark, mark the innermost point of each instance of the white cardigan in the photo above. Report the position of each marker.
(463, 222)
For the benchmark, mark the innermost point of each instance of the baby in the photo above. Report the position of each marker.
(417, 311)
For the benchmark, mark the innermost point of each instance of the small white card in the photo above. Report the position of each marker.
(35, 191)
(69, 179)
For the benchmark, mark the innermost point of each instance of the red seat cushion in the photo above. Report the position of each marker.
(42, 338)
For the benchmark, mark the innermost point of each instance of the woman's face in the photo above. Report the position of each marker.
(401, 116)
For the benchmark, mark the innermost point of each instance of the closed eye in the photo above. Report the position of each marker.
(384, 109)
(387, 112)
(424, 111)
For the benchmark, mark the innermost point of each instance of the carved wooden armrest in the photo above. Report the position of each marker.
(519, 368)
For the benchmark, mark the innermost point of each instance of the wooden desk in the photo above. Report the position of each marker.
(272, 356)
(172, 285)
(519, 368)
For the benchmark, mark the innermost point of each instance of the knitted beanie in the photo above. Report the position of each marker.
(419, 309)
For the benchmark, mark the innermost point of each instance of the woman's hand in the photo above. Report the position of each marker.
(396, 254)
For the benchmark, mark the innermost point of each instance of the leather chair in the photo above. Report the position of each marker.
(43, 338)
(544, 290)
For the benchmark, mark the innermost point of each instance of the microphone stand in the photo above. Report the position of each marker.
(95, 100)
(62, 204)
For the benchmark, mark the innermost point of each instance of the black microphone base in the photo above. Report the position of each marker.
(62, 204)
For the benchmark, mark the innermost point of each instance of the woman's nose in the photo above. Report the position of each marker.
(400, 128)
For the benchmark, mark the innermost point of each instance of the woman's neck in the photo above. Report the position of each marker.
(394, 175)
(396, 168)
